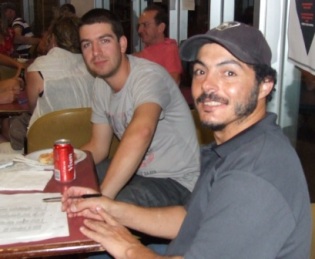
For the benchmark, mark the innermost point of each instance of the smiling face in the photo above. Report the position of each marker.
(102, 51)
(225, 91)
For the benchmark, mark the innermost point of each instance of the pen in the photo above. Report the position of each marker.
(84, 196)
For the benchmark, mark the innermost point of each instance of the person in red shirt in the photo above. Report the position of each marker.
(152, 28)
(6, 40)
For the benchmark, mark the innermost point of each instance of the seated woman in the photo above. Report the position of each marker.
(57, 80)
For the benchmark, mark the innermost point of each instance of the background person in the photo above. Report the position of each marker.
(152, 29)
(6, 39)
(251, 200)
(23, 36)
(157, 160)
(55, 81)
(44, 43)
(67, 10)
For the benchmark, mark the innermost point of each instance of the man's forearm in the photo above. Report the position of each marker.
(10, 62)
(127, 159)
(163, 222)
(19, 39)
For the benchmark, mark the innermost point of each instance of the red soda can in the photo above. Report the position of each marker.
(64, 170)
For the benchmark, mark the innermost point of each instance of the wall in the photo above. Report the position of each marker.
(82, 6)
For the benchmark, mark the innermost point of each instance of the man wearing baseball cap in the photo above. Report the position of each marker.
(251, 199)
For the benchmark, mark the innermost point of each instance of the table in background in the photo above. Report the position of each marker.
(76, 242)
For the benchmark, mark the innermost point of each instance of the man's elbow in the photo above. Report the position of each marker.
(146, 133)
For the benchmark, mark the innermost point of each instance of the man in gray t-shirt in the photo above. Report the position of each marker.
(157, 160)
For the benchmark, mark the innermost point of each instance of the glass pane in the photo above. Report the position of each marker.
(45, 12)
(123, 9)
(198, 23)
(244, 11)
(305, 144)
(198, 19)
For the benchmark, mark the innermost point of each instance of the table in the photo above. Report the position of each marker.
(15, 108)
(73, 244)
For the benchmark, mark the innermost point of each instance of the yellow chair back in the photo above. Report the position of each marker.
(73, 124)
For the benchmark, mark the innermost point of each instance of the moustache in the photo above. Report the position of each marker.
(211, 97)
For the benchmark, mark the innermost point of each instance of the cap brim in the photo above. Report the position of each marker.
(190, 47)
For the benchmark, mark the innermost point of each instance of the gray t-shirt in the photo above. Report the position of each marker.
(174, 151)
(251, 200)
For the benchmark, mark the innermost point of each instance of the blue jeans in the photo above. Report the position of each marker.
(149, 191)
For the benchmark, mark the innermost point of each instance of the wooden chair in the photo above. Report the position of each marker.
(73, 124)
(204, 135)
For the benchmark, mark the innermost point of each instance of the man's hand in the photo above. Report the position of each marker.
(83, 207)
(9, 90)
(115, 238)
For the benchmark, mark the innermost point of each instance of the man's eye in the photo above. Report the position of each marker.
(104, 40)
(198, 72)
(84, 45)
(229, 73)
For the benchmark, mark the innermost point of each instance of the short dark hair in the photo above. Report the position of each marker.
(99, 15)
(67, 8)
(160, 17)
(263, 72)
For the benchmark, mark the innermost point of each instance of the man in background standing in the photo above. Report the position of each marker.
(152, 29)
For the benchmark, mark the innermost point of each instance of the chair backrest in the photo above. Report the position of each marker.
(73, 124)
(204, 135)
(313, 231)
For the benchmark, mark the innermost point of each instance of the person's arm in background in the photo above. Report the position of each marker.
(34, 86)
(20, 39)
(9, 89)
(132, 148)
(10, 62)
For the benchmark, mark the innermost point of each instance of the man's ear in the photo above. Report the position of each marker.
(266, 87)
(161, 27)
(123, 44)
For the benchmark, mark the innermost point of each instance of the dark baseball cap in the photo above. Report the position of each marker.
(245, 42)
